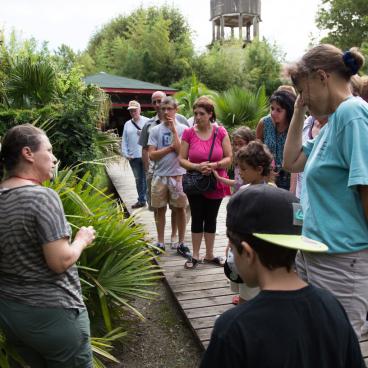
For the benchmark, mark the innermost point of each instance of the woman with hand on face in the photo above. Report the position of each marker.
(335, 183)
(42, 312)
(194, 152)
(272, 131)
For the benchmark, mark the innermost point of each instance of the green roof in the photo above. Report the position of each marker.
(105, 80)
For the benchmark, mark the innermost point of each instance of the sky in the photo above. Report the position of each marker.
(289, 23)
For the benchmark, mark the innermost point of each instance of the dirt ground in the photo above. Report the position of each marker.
(163, 340)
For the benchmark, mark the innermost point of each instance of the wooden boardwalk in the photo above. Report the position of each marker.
(202, 293)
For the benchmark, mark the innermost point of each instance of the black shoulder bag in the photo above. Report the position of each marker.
(136, 126)
(194, 182)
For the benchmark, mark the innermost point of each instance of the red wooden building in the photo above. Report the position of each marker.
(121, 91)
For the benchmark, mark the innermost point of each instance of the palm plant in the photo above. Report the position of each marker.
(187, 97)
(117, 268)
(7, 353)
(238, 106)
(30, 83)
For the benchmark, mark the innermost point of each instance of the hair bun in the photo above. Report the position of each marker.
(353, 60)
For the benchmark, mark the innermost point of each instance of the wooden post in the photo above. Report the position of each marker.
(222, 32)
(240, 26)
(255, 27)
(213, 31)
(248, 32)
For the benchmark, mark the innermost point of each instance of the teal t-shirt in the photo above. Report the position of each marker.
(337, 163)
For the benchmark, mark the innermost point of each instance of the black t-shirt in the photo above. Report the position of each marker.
(306, 328)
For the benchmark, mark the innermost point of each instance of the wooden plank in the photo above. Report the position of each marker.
(364, 348)
(199, 271)
(203, 322)
(190, 278)
(190, 295)
(207, 311)
(206, 302)
(204, 334)
(200, 286)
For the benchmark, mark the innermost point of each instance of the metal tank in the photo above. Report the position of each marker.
(235, 14)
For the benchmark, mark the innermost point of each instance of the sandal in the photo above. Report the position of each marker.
(218, 261)
(191, 263)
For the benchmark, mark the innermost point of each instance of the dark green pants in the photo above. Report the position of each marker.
(47, 337)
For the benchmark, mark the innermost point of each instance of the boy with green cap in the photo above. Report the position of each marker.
(290, 323)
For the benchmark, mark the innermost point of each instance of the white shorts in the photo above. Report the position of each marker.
(244, 291)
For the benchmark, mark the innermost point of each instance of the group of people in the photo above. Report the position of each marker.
(301, 267)
(311, 146)
(313, 300)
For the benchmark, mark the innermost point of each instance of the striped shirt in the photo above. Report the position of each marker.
(31, 216)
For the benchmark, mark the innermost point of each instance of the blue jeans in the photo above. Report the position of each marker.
(140, 178)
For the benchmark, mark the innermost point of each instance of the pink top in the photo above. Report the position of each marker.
(199, 149)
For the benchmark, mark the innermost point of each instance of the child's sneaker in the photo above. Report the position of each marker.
(174, 245)
(160, 250)
(183, 250)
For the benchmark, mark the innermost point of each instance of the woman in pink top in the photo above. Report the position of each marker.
(195, 148)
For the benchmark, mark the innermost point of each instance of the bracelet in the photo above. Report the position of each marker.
(218, 165)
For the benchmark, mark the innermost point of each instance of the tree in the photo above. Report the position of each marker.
(152, 44)
(345, 20)
(229, 64)
(262, 66)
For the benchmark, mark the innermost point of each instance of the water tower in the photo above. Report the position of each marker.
(235, 14)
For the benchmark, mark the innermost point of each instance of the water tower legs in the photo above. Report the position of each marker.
(233, 21)
(240, 26)
(222, 25)
(255, 27)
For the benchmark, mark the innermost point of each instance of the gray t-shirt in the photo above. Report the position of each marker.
(30, 217)
(160, 137)
(182, 119)
(143, 139)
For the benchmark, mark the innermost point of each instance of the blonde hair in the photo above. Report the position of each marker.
(330, 59)
(244, 133)
(287, 88)
(356, 85)
(364, 89)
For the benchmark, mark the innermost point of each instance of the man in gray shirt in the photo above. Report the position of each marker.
(166, 187)
(156, 98)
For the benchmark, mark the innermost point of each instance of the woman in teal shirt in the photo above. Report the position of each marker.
(335, 186)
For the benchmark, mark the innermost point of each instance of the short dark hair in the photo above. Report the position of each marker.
(270, 255)
(286, 100)
(25, 135)
(256, 154)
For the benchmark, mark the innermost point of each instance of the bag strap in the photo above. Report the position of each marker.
(213, 143)
(138, 128)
